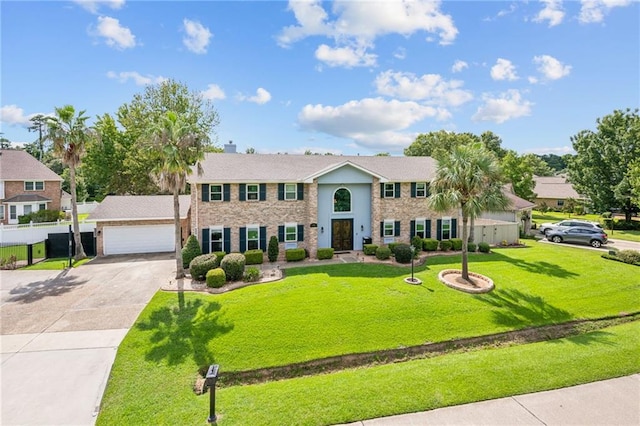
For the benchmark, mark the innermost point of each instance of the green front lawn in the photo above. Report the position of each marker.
(329, 310)
(20, 251)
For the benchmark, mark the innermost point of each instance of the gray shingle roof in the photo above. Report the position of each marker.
(26, 198)
(139, 207)
(555, 187)
(20, 165)
(297, 168)
(518, 203)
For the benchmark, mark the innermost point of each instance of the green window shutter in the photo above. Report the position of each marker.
(396, 232)
(263, 191)
(281, 191)
(300, 232)
(439, 229)
(227, 240)
(226, 192)
(205, 192)
(382, 229)
(454, 228)
(206, 247)
(396, 191)
(382, 190)
(427, 232)
(263, 238)
(243, 192)
(412, 229)
(413, 190)
(301, 191)
(281, 233)
(243, 240)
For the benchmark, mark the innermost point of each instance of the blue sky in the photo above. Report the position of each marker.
(348, 77)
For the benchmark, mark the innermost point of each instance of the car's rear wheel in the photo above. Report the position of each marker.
(556, 239)
(596, 243)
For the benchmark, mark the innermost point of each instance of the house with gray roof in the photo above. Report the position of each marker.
(26, 186)
(554, 191)
(313, 201)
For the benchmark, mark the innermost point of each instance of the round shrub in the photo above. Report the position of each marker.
(220, 254)
(484, 247)
(202, 264)
(416, 241)
(403, 253)
(254, 257)
(383, 253)
(629, 256)
(370, 249)
(190, 251)
(445, 245)
(471, 247)
(251, 274)
(456, 243)
(325, 253)
(392, 247)
(233, 266)
(429, 244)
(216, 278)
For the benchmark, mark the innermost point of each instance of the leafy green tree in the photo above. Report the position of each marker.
(468, 178)
(4, 142)
(39, 124)
(634, 181)
(555, 162)
(518, 171)
(175, 145)
(603, 160)
(70, 134)
(539, 166)
(436, 144)
(493, 143)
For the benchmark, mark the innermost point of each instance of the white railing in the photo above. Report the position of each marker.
(29, 233)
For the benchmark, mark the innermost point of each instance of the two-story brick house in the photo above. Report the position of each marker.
(26, 185)
(313, 201)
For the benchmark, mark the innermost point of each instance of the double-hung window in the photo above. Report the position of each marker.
(446, 228)
(290, 232)
(1, 212)
(13, 212)
(253, 192)
(421, 189)
(290, 191)
(217, 239)
(389, 228)
(215, 193)
(253, 236)
(33, 185)
(421, 227)
(389, 190)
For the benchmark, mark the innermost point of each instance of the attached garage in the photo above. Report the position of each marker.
(138, 239)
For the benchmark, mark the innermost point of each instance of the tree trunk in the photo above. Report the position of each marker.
(80, 254)
(472, 231)
(178, 234)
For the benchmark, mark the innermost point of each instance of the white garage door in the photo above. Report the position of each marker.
(138, 239)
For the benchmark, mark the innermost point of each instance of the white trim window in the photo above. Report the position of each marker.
(421, 227)
(215, 193)
(216, 238)
(446, 228)
(290, 232)
(13, 212)
(389, 228)
(290, 191)
(389, 190)
(253, 193)
(421, 189)
(253, 236)
(42, 206)
(1, 212)
(33, 185)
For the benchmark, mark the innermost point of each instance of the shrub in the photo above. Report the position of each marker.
(383, 253)
(190, 251)
(430, 244)
(41, 216)
(233, 265)
(484, 247)
(622, 225)
(273, 250)
(216, 278)
(251, 274)
(403, 253)
(606, 215)
(254, 257)
(370, 249)
(325, 253)
(445, 245)
(392, 247)
(456, 243)
(471, 247)
(416, 241)
(629, 256)
(294, 255)
(202, 264)
(220, 254)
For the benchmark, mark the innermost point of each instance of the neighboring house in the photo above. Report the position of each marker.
(554, 191)
(26, 185)
(498, 226)
(313, 201)
(138, 224)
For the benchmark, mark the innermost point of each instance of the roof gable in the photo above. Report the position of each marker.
(16, 164)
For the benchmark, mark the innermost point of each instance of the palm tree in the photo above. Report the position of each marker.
(69, 134)
(177, 146)
(468, 178)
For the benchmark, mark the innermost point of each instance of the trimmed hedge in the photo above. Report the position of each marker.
(233, 266)
(325, 253)
(216, 278)
(456, 243)
(416, 241)
(484, 247)
(254, 257)
(472, 247)
(202, 264)
(629, 256)
(403, 253)
(41, 216)
(383, 253)
(370, 249)
(445, 245)
(429, 244)
(220, 254)
(251, 274)
(295, 255)
(190, 251)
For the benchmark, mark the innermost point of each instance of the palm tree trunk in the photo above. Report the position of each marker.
(80, 254)
(465, 246)
(472, 231)
(178, 234)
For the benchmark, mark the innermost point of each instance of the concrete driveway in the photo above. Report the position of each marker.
(60, 332)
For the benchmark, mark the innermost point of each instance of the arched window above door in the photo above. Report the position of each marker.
(342, 200)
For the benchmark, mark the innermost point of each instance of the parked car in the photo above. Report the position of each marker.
(545, 228)
(579, 234)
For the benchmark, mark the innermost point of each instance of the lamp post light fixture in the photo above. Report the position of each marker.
(413, 255)
(210, 381)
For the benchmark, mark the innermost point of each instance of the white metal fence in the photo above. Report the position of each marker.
(30, 233)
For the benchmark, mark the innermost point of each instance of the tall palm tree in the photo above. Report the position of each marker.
(177, 146)
(468, 178)
(69, 134)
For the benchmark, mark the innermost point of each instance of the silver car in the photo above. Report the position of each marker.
(546, 228)
(578, 234)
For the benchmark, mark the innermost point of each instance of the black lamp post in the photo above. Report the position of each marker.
(210, 381)
(413, 255)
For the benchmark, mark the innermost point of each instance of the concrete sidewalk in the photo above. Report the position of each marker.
(608, 402)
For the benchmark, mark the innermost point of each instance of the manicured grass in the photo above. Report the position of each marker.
(20, 251)
(539, 218)
(55, 264)
(339, 309)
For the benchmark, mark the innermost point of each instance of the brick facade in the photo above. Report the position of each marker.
(52, 190)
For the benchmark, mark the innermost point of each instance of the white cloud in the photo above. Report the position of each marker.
(593, 11)
(532, 79)
(431, 88)
(197, 38)
(503, 12)
(557, 150)
(116, 35)
(551, 68)
(347, 57)
(551, 12)
(93, 5)
(261, 97)
(400, 53)
(507, 106)
(138, 79)
(459, 65)
(13, 115)
(214, 92)
(503, 70)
